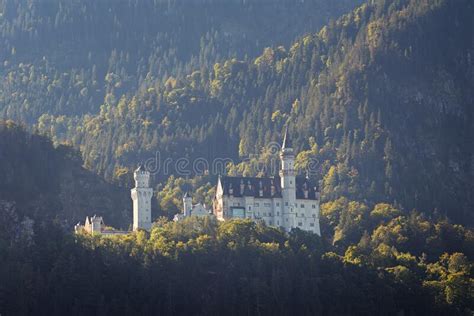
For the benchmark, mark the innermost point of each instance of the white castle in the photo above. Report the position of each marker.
(283, 201)
(141, 196)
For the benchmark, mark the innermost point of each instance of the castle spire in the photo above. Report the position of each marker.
(288, 180)
(140, 168)
(286, 139)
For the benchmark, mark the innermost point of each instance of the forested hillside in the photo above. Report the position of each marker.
(45, 184)
(381, 98)
(70, 57)
(384, 108)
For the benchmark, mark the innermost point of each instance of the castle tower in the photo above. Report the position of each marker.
(141, 196)
(187, 205)
(96, 224)
(288, 181)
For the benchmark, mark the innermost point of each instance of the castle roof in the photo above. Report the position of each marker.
(94, 218)
(253, 185)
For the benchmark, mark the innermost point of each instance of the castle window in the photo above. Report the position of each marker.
(311, 224)
(270, 223)
(300, 224)
(278, 203)
(236, 204)
(314, 206)
(302, 205)
(257, 204)
(286, 203)
(314, 215)
(250, 207)
(278, 222)
(278, 213)
(291, 182)
(267, 204)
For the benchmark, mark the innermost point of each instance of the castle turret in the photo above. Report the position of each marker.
(288, 180)
(187, 204)
(96, 224)
(141, 196)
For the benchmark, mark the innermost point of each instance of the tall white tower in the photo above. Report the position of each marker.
(141, 196)
(288, 181)
(187, 205)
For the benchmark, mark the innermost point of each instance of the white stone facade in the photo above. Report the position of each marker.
(192, 210)
(284, 201)
(141, 196)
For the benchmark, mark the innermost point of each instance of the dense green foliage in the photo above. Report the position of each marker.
(70, 57)
(201, 267)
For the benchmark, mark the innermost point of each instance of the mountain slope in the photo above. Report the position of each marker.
(48, 184)
(388, 107)
(70, 57)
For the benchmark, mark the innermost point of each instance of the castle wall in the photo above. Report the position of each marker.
(141, 208)
(304, 213)
(307, 215)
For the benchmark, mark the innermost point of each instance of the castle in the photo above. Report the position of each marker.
(283, 201)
